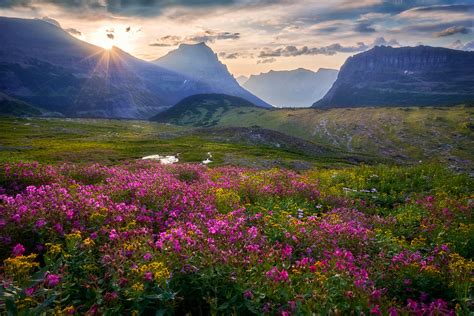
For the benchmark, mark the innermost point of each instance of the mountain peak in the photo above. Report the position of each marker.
(200, 48)
(424, 75)
(199, 62)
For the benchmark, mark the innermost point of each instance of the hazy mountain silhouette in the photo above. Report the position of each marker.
(292, 88)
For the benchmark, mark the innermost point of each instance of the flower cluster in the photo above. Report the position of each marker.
(142, 238)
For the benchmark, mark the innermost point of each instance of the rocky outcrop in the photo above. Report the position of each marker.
(420, 76)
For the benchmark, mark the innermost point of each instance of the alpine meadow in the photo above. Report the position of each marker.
(210, 157)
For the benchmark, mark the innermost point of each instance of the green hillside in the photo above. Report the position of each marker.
(439, 134)
(53, 140)
(203, 110)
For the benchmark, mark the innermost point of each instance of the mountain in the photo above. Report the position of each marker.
(43, 65)
(241, 80)
(15, 107)
(197, 110)
(200, 63)
(406, 76)
(293, 88)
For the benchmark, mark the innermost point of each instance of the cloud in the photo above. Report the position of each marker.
(439, 29)
(469, 46)
(73, 31)
(266, 61)
(292, 51)
(50, 20)
(364, 27)
(440, 8)
(143, 8)
(452, 31)
(229, 55)
(211, 36)
(207, 36)
(380, 41)
(167, 41)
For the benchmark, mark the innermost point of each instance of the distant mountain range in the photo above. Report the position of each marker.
(46, 71)
(200, 63)
(406, 76)
(43, 65)
(293, 88)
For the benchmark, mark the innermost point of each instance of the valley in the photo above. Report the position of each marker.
(250, 136)
(236, 158)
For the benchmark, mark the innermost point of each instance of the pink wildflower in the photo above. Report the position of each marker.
(52, 280)
(18, 250)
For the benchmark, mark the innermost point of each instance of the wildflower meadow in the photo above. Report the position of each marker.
(140, 238)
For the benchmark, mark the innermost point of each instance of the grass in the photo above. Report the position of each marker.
(435, 134)
(53, 140)
(348, 136)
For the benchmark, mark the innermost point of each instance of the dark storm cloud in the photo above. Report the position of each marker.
(452, 31)
(292, 51)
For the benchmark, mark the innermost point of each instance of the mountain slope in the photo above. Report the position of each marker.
(241, 80)
(45, 66)
(197, 110)
(15, 107)
(293, 88)
(200, 63)
(386, 76)
(406, 135)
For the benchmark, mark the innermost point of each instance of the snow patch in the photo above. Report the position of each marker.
(164, 160)
(208, 159)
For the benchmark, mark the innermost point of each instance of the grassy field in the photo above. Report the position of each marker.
(435, 134)
(108, 141)
(92, 229)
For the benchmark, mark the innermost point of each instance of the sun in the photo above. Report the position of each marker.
(107, 44)
(116, 35)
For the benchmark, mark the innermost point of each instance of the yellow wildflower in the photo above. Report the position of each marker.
(74, 236)
(21, 266)
(88, 242)
(138, 287)
(53, 249)
(158, 269)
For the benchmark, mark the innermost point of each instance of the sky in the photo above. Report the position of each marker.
(251, 37)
